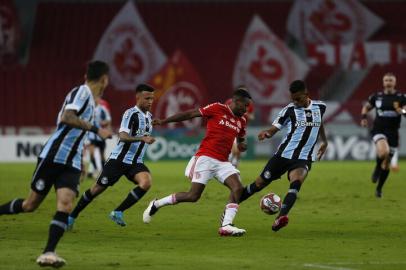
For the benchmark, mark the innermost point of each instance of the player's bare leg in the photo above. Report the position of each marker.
(296, 179)
(59, 224)
(227, 227)
(28, 205)
(383, 159)
(193, 195)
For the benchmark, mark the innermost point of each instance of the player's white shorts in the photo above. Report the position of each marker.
(202, 168)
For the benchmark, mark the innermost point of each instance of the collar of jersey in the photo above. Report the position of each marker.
(307, 108)
(230, 110)
(138, 109)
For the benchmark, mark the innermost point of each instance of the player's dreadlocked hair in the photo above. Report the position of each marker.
(297, 86)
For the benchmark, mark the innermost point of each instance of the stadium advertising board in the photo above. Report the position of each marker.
(27, 148)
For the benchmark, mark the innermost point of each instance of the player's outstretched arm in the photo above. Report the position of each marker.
(267, 134)
(179, 117)
(70, 118)
(125, 137)
(324, 143)
(364, 111)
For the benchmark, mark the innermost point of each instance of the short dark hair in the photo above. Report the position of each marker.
(241, 92)
(96, 69)
(297, 86)
(144, 87)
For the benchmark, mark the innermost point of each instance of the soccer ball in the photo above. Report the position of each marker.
(270, 204)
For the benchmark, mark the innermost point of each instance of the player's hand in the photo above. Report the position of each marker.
(242, 147)
(263, 135)
(105, 133)
(322, 150)
(364, 123)
(148, 139)
(156, 122)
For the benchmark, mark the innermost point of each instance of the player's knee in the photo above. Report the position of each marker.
(29, 206)
(65, 206)
(145, 185)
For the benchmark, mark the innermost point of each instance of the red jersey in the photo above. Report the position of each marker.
(222, 128)
(250, 108)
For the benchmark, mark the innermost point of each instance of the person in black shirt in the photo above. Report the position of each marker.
(389, 105)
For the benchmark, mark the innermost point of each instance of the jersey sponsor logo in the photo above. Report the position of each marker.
(230, 125)
(383, 113)
(307, 124)
(40, 184)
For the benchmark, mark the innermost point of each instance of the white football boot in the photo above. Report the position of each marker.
(50, 259)
(231, 230)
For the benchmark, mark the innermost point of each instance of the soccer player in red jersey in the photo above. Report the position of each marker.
(235, 155)
(224, 124)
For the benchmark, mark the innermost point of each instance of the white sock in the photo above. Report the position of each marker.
(229, 213)
(168, 200)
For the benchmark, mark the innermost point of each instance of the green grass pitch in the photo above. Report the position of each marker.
(336, 224)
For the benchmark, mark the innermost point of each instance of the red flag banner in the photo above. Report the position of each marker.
(266, 65)
(331, 21)
(130, 50)
(10, 34)
(179, 88)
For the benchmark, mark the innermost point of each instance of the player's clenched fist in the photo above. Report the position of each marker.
(148, 139)
(263, 135)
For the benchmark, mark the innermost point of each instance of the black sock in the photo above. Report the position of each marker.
(249, 190)
(382, 178)
(134, 196)
(86, 198)
(13, 207)
(56, 230)
(290, 197)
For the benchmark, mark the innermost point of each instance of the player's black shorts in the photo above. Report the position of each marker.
(392, 136)
(277, 166)
(114, 169)
(48, 173)
(100, 144)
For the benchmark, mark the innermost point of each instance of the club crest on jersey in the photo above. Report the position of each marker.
(378, 103)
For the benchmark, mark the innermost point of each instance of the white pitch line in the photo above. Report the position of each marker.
(320, 266)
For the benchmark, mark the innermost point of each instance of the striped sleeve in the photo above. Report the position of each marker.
(77, 98)
(129, 120)
(282, 119)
